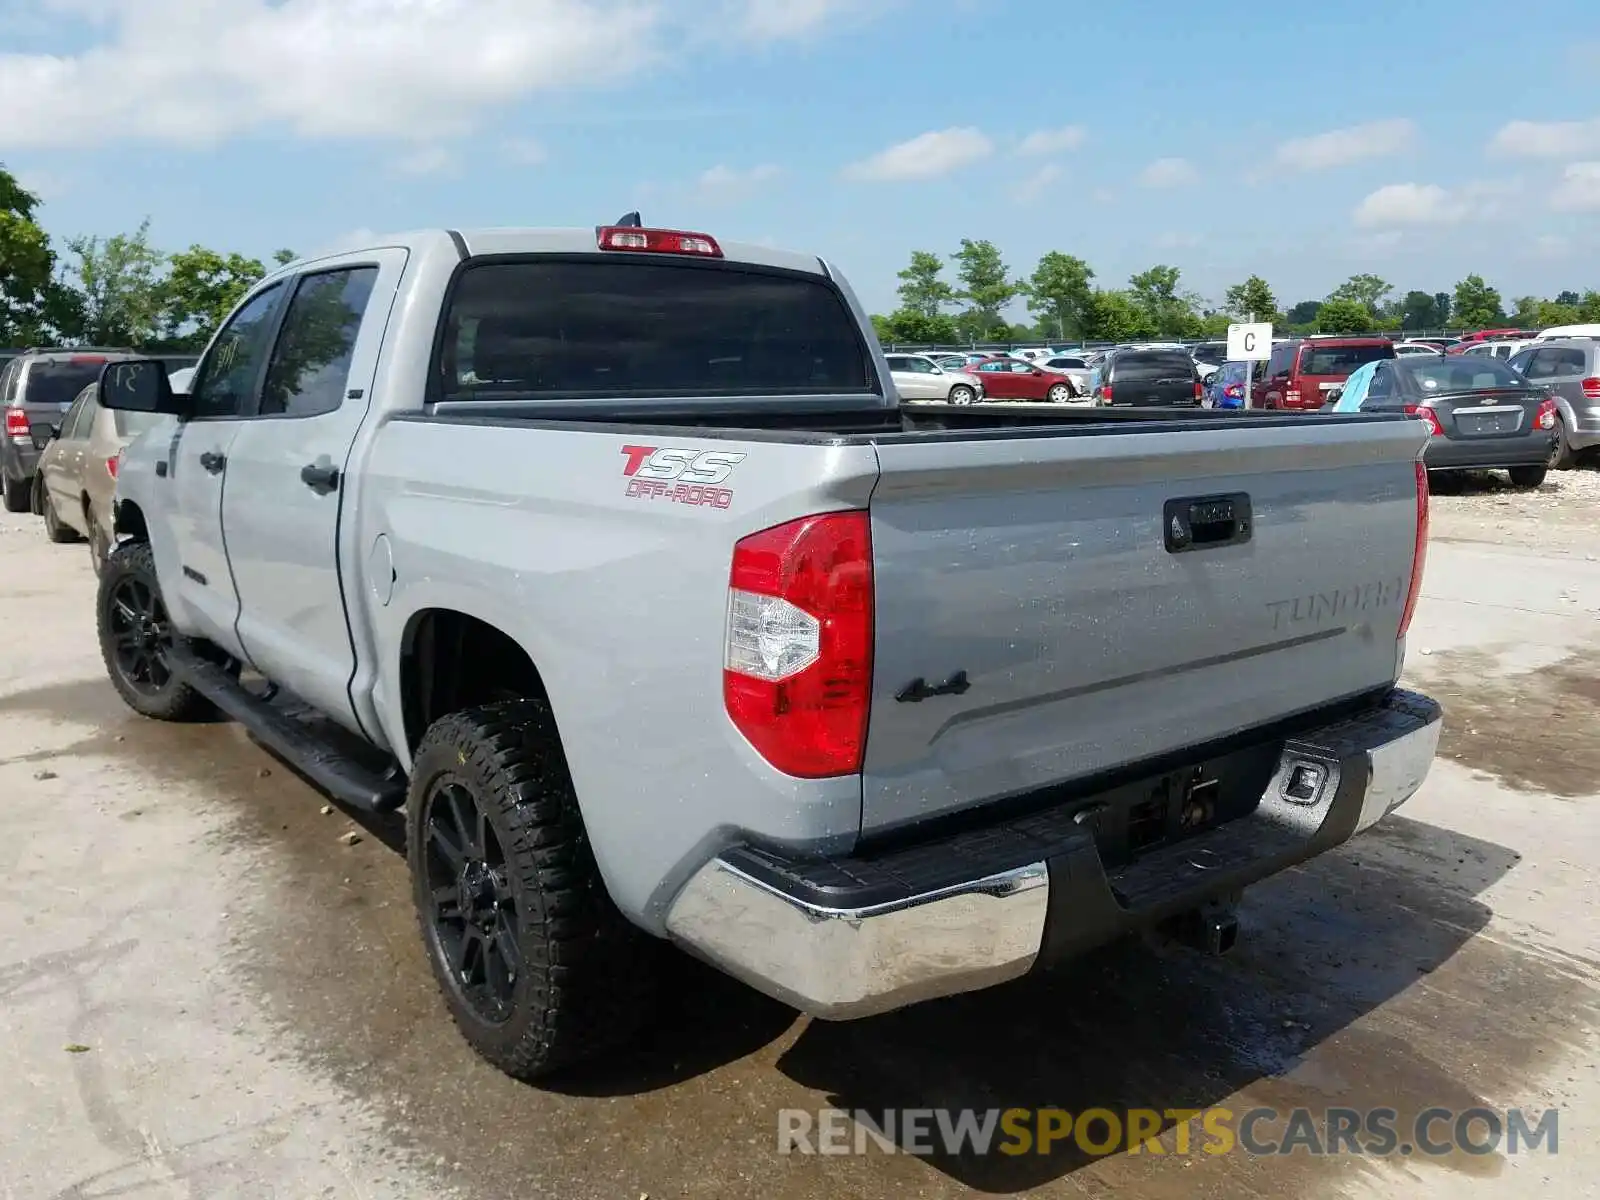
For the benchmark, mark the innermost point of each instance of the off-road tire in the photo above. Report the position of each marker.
(18, 499)
(1527, 477)
(176, 701)
(54, 529)
(587, 980)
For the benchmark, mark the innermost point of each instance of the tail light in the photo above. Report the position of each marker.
(1545, 418)
(1199, 391)
(1427, 414)
(16, 423)
(1591, 389)
(1419, 555)
(113, 463)
(1291, 397)
(1105, 392)
(658, 241)
(1233, 391)
(797, 665)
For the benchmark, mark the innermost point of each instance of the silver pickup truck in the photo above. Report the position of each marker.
(611, 556)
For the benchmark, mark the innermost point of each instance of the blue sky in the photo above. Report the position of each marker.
(1420, 144)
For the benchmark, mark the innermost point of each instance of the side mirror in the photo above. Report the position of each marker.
(1334, 394)
(140, 385)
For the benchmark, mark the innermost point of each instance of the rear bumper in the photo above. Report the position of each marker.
(1583, 425)
(19, 460)
(849, 938)
(1520, 450)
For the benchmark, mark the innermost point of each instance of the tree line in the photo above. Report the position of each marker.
(114, 291)
(1067, 305)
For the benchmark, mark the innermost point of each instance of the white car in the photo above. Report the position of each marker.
(1411, 349)
(918, 377)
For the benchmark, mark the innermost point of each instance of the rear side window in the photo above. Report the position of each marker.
(1341, 360)
(600, 327)
(132, 424)
(1282, 356)
(59, 380)
(1145, 368)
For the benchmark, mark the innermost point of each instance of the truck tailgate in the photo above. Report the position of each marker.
(1028, 583)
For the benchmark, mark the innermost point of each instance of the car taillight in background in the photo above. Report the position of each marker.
(1591, 389)
(658, 241)
(1545, 418)
(1427, 414)
(797, 662)
(1199, 391)
(113, 463)
(1105, 393)
(1291, 397)
(16, 423)
(1419, 554)
(1233, 391)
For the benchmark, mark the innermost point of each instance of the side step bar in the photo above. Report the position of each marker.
(344, 779)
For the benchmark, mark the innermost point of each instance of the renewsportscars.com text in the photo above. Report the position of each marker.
(1378, 1132)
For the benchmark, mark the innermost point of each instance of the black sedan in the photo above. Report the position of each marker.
(1484, 415)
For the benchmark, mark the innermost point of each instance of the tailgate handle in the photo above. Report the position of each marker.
(1203, 522)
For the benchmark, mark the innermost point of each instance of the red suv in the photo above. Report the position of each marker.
(1302, 372)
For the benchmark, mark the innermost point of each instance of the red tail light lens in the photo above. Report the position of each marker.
(1419, 556)
(1545, 418)
(16, 423)
(1233, 391)
(1291, 397)
(1591, 389)
(1199, 390)
(658, 241)
(113, 463)
(1427, 414)
(1105, 393)
(797, 665)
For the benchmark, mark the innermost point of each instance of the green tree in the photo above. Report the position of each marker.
(1304, 314)
(32, 303)
(921, 289)
(1171, 312)
(1251, 296)
(1443, 305)
(1551, 312)
(1344, 315)
(1368, 290)
(284, 257)
(908, 326)
(121, 285)
(986, 286)
(200, 289)
(1059, 293)
(1418, 311)
(1114, 317)
(1589, 306)
(1525, 311)
(1477, 305)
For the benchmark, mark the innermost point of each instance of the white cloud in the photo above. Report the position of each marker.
(723, 184)
(425, 160)
(1340, 147)
(1036, 185)
(1579, 189)
(1169, 173)
(1547, 139)
(525, 151)
(926, 156)
(196, 72)
(1053, 141)
(1431, 204)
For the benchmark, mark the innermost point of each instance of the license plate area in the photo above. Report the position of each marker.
(1489, 422)
(1131, 821)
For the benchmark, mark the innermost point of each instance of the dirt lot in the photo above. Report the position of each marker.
(204, 992)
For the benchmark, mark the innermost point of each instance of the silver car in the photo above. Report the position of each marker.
(1569, 369)
(918, 377)
(1073, 366)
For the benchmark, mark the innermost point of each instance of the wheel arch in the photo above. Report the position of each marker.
(450, 660)
(127, 520)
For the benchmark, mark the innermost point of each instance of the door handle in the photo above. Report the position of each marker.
(320, 478)
(1203, 522)
(213, 461)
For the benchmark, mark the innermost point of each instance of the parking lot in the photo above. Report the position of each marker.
(208, 988)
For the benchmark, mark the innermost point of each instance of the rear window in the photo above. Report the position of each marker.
(58, 381)
(1140, 367)
(1341, 360)
(1211, 351)
(1454, 375)
(598, 327)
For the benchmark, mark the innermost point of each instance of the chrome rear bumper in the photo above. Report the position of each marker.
(810, 947)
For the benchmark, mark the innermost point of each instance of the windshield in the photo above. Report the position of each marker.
(58, 381)
(1454, 375)
(1341, 360)
(627, 328)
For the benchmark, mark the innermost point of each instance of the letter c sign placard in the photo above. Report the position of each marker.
(1250, 341)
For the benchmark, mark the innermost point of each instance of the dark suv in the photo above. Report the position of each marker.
(36, 388)
(1148, 378)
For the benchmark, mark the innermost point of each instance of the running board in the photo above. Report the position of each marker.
(350, 782)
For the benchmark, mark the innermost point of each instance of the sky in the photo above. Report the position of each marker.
(1421, 144)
